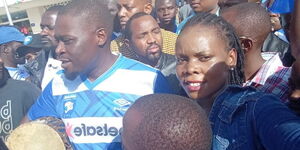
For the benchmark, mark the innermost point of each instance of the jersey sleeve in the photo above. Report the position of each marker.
(44, 106)
(161, 84)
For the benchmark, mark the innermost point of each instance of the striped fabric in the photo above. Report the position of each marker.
(272, 78)
(93, 111)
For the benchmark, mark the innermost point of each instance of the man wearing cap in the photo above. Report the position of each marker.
(11, 39)
(32, 45)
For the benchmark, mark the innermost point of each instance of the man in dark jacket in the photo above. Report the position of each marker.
(143, 35)
(45, 66)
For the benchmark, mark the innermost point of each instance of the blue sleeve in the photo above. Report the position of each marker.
(44, 106)
(161, 84)
(277, 127)
(182, 24)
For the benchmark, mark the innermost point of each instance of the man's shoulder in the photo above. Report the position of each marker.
(20, 84)
(131, 64)
(21, 87)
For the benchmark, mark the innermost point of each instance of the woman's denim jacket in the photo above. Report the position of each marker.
(245, 119)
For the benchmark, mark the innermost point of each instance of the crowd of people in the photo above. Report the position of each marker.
(158, 74)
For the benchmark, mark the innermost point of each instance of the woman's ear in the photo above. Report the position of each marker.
(232, 58)
(101, 36)
(148, 8)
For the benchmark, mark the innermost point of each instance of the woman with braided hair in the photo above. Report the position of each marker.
(210, 69)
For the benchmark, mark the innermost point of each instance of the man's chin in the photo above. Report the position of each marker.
(70, 75)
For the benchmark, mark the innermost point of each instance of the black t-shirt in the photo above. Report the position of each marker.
(16, 97)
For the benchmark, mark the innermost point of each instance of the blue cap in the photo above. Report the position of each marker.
(10, 34)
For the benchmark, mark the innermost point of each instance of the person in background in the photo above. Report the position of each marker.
(252, 29)
(46, 66)
(210, 69)
(11, 39)
(16, 97)
(166, 11)
(166, 122)
(32, 46)
(276, 41)
(128, 8)
(96, 87)
(185, 11)
(143, 35)
(198, 6)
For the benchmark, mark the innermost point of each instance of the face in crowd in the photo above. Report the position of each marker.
(76, 48)
(47, 26)
(9, 51)
(146, 39)
(203, 5)
(166, 11)
(203, 61)
(128, 8)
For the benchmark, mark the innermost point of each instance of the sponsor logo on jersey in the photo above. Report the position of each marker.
(93, 129)
(122, 102)
(68, 106)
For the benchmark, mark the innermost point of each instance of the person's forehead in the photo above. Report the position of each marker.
(143, 24)
(16, 44)
(49, 17)
(129, 2)
(66, 23)
(162, 3)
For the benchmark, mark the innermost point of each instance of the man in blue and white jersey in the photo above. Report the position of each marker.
(97, 87)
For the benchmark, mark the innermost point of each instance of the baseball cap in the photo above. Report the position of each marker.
(32, 43)
(10, 34)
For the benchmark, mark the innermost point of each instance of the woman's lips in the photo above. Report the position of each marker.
(193, 86)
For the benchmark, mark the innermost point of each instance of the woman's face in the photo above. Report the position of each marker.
(203, 61)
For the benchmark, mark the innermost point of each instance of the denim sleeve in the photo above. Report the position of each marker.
(161, 84)
(44, 106)
(277, 127)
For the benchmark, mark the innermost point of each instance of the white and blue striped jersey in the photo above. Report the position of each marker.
(93, 111)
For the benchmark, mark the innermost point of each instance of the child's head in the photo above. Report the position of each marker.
(166, 122)
(209, 56)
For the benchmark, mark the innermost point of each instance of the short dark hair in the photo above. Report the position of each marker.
(251, 19)
(157, 2)
(128, 32)
(95, 13)
(169, 122)
(227, 33)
